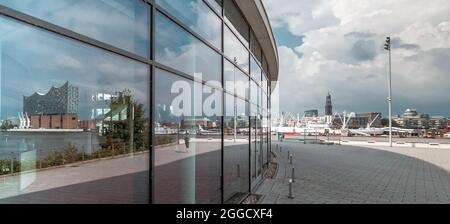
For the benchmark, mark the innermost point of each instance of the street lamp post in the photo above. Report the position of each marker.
(387, 47)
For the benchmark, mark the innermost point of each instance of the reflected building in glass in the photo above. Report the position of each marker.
(164, 101)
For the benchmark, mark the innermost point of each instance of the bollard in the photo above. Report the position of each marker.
(281, 149)
(63, 162)
(290, 159)
(290, 189)
(40, 158)
(238, 170)
(293, 174)
(12, 165)
(289, 154)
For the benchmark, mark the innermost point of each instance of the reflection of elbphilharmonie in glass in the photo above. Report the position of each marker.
(164, 101)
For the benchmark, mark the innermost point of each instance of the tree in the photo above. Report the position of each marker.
(130, 127)
(6, 125)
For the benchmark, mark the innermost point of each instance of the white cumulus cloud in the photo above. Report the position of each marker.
(342, 52)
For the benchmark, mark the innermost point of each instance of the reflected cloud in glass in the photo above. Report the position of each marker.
(105, 112)
(198, 16)
(124, 23)
(178, 49)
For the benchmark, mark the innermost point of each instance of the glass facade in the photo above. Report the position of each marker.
(104, 113)
(123, 24)
(130, 102)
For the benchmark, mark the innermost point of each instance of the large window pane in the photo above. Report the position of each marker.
(255, 70)
(236, 149)
(236, 21)
(236, 81)
(253, 93)
(259, 151)
(242, 85)
(217, 5)
(229, 74)
(63, 103)
(178, 49)
(197, 16)
(188, 141)
(265, 66)
(124, 23)
(253, 140)
(264, 83)
(255, 47)
(265, 140)
(235, 50)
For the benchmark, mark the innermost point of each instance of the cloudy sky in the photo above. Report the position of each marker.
(337, 46)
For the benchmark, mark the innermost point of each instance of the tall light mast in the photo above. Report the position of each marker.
(387, 46)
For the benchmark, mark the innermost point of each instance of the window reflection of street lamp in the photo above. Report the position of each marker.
(235, 100)
(387, 46)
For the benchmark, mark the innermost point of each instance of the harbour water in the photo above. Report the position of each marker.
(44, 143)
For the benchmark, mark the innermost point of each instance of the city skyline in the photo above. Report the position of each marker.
(337, 46)
(321, 111)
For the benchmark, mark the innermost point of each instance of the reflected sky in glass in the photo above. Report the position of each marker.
(235, 50)
(197, 16)
(228, 76)
(180, 50)
(255, 70)
(217, 5)
(37, 67)
(121, 23)
(242, 85)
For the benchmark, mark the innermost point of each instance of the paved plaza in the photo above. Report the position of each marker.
(122, 180)
(333, 174)
(323, 174)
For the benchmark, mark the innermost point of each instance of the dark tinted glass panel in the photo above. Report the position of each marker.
(264, 141)
(197, 16)
(253, 139)
(123, 24)
(265, 66)
(236, 21)
(259, 149)
(235, 50)
(236, 149)
(178, 49)
(187, 141)
(75, 105)
(255, 48)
